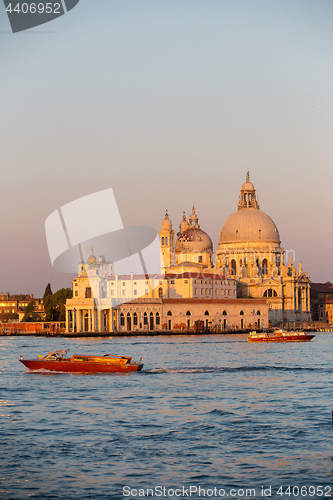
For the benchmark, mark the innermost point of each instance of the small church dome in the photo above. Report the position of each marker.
(194, 240)
(166, 223)
(91, 259)
(247, 186)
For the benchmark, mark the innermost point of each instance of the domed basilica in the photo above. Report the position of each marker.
(249, 251)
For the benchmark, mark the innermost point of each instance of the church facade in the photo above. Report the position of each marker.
(249, 252)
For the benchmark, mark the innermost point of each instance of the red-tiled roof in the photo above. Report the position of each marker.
(322, 287)
(214, 301)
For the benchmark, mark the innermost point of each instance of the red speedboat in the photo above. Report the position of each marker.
(280, 335)
(80, 363)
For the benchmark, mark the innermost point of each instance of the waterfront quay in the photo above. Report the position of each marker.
(57, 329)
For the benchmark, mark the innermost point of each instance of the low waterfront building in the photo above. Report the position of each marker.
(192, 315)
(13, 306)
(321, 293)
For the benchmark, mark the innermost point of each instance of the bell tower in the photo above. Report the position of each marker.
(167, 244)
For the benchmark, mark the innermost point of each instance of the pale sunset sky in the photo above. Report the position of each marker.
(168, 102)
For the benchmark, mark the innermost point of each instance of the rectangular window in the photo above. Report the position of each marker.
(112, 292)
(124, 292)
(134, 282)
(88, 293)
(135, 292)
(200, 258)
(196, 291)
(146, 291)
(76, 293)
(123, 283)
(172, 282)
(186, 281)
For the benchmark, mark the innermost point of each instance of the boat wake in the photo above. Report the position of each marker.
(218, 369)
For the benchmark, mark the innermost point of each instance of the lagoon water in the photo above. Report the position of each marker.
(206, 411)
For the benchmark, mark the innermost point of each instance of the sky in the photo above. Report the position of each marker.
(169, 103)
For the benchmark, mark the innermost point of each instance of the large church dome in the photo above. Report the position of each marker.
(249, 223)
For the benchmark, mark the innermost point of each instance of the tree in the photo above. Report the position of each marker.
(29, 314)
(48, 290)
(48, 304)
(55, 304)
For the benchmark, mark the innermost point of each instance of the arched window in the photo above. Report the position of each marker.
(169, 313)
(270, 293)
(135, 319)
(264, 267)
(151, 321)
(233, 267)
(162, 240)
(160, 292)
(207, 291)
(188, 313)
(122, 319)
(241, 313)
(145, 319)
(258, 313)
(158, 318)
(166, 240)
(224, 313)
(206, 313)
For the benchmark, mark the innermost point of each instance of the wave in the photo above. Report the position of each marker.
(217, 369)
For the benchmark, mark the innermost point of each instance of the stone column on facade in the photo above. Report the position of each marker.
(99, 326)
(67, 320)
(78, 320)
(89, 320)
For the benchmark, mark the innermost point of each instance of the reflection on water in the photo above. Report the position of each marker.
(211, 411)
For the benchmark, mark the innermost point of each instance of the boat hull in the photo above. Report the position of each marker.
(289, 338)
(68, 366)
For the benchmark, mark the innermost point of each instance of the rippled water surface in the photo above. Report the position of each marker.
(207, 411)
